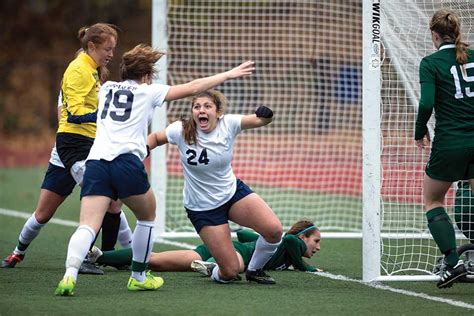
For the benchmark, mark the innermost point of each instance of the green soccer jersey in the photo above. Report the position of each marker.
(447, 87)
(289, 252)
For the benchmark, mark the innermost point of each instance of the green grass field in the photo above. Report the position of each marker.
(28, 289)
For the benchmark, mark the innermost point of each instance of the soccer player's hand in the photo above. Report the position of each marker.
(244, 69)
(421, 142)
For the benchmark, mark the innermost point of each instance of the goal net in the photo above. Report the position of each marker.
(309, 162)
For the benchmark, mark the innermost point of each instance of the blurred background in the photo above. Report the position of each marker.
(38, 40)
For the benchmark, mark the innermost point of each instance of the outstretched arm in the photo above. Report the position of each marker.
(263, 116)
(203, 84)
(156, 139)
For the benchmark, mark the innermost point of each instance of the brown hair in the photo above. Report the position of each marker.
(446, 23)
(189, 126)
(138, 62)
(98, 34)
(299, 228)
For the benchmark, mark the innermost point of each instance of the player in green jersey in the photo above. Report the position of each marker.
(301, 240)
(447, 86)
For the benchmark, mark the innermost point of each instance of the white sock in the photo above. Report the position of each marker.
(28, 233)
(142, 244)
(215, 276)
(79, 245)
(125, 233)
(263, 252)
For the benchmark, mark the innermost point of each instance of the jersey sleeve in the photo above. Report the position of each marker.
(174, 132)
(295, 250)
(427, 98)
(78, 86)
(246, 235)
(159, 92)
(234, 123)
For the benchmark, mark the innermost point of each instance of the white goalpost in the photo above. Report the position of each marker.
(342, 79)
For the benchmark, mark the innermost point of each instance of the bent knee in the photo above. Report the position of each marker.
(274, 234)
(43, 216)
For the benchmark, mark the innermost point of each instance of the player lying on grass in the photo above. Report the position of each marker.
(301, 240)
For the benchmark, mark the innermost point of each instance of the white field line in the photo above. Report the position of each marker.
(375, 285)
(380, 286)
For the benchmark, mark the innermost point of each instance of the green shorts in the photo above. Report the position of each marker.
(451, 165)
(244, 249)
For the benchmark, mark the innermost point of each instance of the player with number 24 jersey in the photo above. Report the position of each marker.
(207, 164)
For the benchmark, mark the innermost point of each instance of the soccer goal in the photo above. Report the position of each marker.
(397, 244)
(342, 79)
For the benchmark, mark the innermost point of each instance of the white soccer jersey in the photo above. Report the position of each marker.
(209, 179)
(124, 113)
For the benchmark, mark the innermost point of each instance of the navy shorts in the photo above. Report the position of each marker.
(118, 179)
(58, 180)
(220, 215)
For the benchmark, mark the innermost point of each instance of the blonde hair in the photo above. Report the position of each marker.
(97, 34)
(189, 126)
(446, 23)
(138, 62)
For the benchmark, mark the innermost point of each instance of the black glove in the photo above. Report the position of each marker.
(263, 111)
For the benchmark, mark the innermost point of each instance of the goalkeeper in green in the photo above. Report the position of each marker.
(301, 240)
(447, 85)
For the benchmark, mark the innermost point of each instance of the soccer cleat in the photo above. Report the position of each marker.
(259, 276)
(151, 283)
(89, 268)
(451, 275)
(65, 287)
(94, 254)
(12, 260)
(203, 267)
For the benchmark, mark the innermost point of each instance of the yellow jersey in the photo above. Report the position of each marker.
(80, 87)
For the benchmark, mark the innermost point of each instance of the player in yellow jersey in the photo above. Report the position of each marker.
(77, 126)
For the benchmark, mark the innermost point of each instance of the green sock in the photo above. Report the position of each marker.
(21, 246)
(116, 258)
(139, 266)
(443, 233)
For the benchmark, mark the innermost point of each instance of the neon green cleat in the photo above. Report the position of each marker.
(151, 283)
(66, 287)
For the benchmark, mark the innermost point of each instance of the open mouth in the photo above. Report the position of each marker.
(203, 122)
